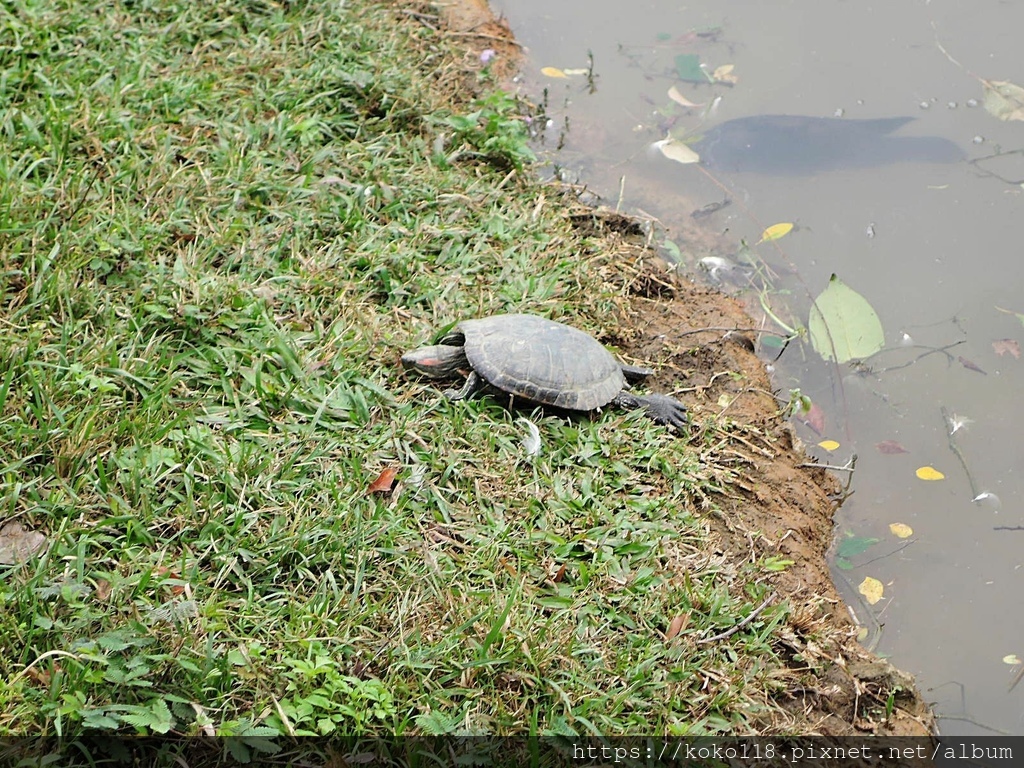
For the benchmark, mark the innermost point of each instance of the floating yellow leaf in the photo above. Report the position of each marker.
(678, 98)
(724, 74)
(828, 445)
(929, 473)
(553, 72)
(901, 530)
(1012, 659)
(775, 231)
(678, 151)
(871, 589)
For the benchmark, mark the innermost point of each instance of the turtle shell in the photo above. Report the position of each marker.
(542, 361)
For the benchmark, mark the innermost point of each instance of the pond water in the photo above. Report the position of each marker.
(937, 248)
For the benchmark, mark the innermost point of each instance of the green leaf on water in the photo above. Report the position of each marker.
(689, 70)
(843, 325)
(851, 546)
(1004, 99)
(1019, 315)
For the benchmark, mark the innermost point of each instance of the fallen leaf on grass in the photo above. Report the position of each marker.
(929, 473)
(103, 589)
(164, 571)
(384, 482)
(43, 677)
(890, 447)
(872, 590)
(18, 543)
(901, 530)
(1006, 347)
(678, 625)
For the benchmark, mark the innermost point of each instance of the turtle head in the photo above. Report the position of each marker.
(441, 361)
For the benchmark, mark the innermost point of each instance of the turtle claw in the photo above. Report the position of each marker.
(473, 385)
(663, 409)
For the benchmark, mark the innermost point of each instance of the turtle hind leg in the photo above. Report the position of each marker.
(662, 409)
(474, 383)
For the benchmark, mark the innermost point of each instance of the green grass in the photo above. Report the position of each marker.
(220, 225)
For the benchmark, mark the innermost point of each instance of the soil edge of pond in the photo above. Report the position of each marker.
(785, 506)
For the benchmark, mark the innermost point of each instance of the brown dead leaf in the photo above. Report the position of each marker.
(43, 677)
(18, 543)
(890, 447)
(384, 482)
(102, 589)
(814, 418)
(560, 575)
(1006, 347)
(970, 365)
(678, 625)
(163, 570)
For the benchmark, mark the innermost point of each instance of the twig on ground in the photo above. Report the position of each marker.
(733, 630)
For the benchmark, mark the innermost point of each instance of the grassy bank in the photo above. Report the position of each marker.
(220, 225)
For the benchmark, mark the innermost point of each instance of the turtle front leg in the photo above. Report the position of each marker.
(662, 409)
(474, 383)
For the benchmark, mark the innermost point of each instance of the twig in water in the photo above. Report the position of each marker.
(812, 465)
(956, 450)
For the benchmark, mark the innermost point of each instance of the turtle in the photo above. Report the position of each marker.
(539, 361)
(797, 145)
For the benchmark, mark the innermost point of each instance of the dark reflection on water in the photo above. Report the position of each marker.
(792, 145)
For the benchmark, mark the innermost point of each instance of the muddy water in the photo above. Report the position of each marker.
(935, 248)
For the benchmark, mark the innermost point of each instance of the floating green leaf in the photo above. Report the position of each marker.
(843, 325)
(1020, 315)
(851, 546)
(689, 70)
(1003, 99)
